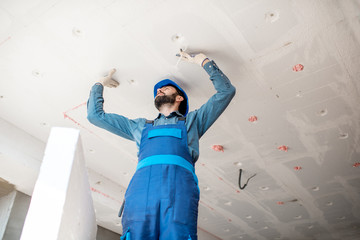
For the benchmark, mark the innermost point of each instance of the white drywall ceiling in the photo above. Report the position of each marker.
(51, 53)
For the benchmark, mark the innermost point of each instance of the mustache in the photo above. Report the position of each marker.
(159, 93)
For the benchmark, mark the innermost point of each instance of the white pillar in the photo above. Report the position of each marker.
(61, 206)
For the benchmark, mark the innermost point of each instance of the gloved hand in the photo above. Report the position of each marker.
(107, 81)
(199, 58)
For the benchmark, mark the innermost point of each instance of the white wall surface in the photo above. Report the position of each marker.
(61, 205)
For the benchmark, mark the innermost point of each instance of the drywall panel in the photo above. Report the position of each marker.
(265, 20)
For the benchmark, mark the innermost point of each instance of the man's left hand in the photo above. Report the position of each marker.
(107, 81)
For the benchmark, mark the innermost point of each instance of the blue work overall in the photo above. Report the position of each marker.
(161, 201)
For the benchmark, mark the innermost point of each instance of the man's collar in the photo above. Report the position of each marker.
(176, 113)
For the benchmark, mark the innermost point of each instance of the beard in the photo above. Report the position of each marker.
(165, 99)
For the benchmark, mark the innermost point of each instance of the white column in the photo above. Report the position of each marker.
(61, 206)
(6, 203)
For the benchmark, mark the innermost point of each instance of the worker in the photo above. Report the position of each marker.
(161, 201)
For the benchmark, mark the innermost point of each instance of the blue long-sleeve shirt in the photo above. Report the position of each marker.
(197, 122)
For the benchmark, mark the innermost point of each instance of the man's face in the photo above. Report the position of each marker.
(165, 95)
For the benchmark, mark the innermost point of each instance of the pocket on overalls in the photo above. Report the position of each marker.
(186, 198)
(136, 197)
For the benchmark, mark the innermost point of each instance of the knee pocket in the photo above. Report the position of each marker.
(186, 200)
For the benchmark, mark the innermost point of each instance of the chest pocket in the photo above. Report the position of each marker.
(165, 132)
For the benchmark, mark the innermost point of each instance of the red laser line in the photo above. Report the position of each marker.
(209, 233)
(104, 194)
(206, 205)
(84, 103)
(213, 209)
(4, 41)
(220, 178)
(77, 123)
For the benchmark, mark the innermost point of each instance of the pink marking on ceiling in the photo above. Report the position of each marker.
(206, 205)
(104, 194)
(77, 123)
(66, 115)
(220, 178)
(4, 41)
(209, 233)
(252, 119)
(298, 68)
(213, 209)
(218, 148)
(283, 148)
(82, 104)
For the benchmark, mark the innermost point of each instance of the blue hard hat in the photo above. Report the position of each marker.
(184, 106)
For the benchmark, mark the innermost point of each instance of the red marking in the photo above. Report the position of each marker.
(297, 168)
(104, 194)
(84, 103)
(211, 208)
(5, 40)
(283, 148)
(209, 233)
(298, 68)
(357, 164)
(218, 148)
(252, 119)
(206, 205)
(280, 203)
(66, 115)
(73, 120)
(220, 178)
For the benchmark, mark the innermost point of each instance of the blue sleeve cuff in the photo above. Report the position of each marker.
(211, 67)
(98, 87)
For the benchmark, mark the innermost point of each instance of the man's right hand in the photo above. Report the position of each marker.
(107, 81)
(200, 58)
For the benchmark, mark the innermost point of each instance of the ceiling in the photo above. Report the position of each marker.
(295, 65)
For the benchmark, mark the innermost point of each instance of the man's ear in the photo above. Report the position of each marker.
(179, 98)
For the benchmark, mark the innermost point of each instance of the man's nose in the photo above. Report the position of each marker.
(159, 91)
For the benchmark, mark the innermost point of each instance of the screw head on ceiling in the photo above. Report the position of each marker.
(323, 112)
(77, 32)
(315, 189)
(272, 16)
(343, 135)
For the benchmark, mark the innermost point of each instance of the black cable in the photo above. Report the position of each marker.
(122, 208)
(246, 181)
